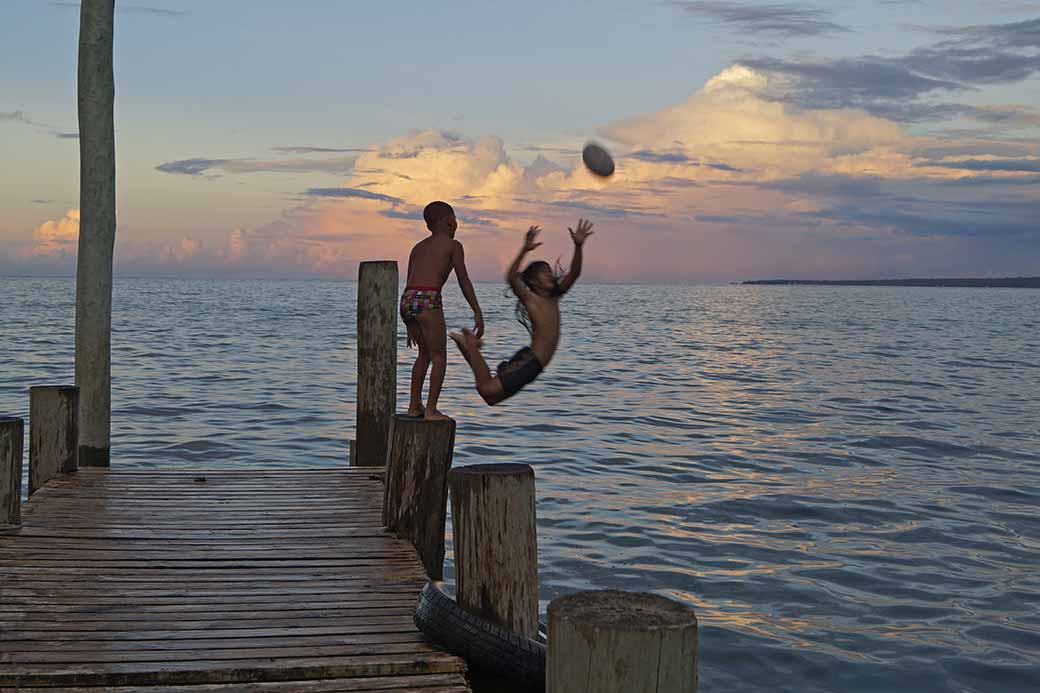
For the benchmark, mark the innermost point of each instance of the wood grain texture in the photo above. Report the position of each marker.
(621, 642)
(12, 441)
(496, 545)
(232, 581)
(376, 360)
(53, 433)
(415, 503)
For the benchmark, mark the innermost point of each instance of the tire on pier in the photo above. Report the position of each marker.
(484, 645)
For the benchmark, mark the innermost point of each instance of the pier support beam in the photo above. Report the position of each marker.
(53, 433)
(376, 360)
(496, 546)
(12, 441)
(415, 500)
(621, 642)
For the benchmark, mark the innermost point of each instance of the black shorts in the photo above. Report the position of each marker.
(518, 371)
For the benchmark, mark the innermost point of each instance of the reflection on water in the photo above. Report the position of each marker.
(843, 481)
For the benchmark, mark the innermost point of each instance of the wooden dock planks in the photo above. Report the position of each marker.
(213, 580)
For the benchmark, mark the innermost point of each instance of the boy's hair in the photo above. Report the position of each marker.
(435, 211)
(527, 276)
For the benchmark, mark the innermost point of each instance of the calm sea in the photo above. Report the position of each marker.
(845, 482)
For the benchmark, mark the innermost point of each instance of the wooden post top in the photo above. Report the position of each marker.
(11, 419)
(620, 610)
(60, 388)
(406, 418)
(494, 469)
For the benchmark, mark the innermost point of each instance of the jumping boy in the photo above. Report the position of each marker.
(429, 264)
(538, 291)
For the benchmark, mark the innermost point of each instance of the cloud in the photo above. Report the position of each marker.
(894, 87)
(198, 167)
(351, 192)
(190, 167)
(775, 19)
(123, 8)
(56, 238)
(1016, 165)
(20, 117)
(736, 123)
(317, 150)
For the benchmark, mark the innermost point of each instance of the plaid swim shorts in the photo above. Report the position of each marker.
(416, 299)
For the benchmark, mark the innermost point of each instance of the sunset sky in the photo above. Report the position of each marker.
(861, 138)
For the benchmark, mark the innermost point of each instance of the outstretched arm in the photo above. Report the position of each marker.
(513, 273)
(578, 236)
(458, 258)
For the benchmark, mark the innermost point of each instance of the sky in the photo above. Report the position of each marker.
(851, 139)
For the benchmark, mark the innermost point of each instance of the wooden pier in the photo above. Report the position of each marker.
(213, 580)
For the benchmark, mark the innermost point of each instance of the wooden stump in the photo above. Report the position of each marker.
(621, 642)
(376, 360)
(53, 433)
(12, 440)
(415, 499)
(496, 546)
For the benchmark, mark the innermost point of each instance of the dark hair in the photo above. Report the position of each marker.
(527, 276)
(435, 211)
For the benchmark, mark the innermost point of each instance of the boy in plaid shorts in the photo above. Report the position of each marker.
(429, 264)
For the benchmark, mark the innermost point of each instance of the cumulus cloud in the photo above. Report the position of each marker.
(56, 238)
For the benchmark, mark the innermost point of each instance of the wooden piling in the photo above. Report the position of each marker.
(496, 547)
(621, 642)
(415, 500)
(12, 440)
(376, 359)
(53, 432)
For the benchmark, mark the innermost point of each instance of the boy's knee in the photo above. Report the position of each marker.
(438, 355)
(488, 391)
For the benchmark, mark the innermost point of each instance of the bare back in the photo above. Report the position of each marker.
(431, 261)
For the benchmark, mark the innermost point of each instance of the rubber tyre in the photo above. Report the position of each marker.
(483, 644)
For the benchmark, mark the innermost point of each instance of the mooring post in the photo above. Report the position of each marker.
(496, 546)
(12, 440)
(376, 360)
(53, 433)
(636, 642)
(415, 497)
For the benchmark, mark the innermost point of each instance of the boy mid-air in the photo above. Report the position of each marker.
(538, 291)
(429, 264)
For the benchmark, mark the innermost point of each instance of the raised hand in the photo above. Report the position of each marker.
(529, 240)
(583, 231)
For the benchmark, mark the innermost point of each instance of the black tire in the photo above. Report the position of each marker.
(483, 644)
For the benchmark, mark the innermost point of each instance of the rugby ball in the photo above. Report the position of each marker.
(597, 160)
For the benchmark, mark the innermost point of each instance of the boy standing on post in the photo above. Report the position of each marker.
(429, 264)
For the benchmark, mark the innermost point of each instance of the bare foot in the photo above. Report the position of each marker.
(467, 342)
(417, 411)
(435, 415)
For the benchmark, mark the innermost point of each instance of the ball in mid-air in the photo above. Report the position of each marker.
(598, 160)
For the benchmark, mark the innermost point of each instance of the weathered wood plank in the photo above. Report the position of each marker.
(430, 683)
(154, 579)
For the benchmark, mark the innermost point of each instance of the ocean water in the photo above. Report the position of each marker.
(844, 482)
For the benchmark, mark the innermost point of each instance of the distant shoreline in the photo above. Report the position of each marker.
(995, 282)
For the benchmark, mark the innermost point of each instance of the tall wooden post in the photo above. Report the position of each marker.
(97, 230)
(376, 360)
(415, 499)
(496, 546)
(53, 433)
(621, 642)
(12, 441)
